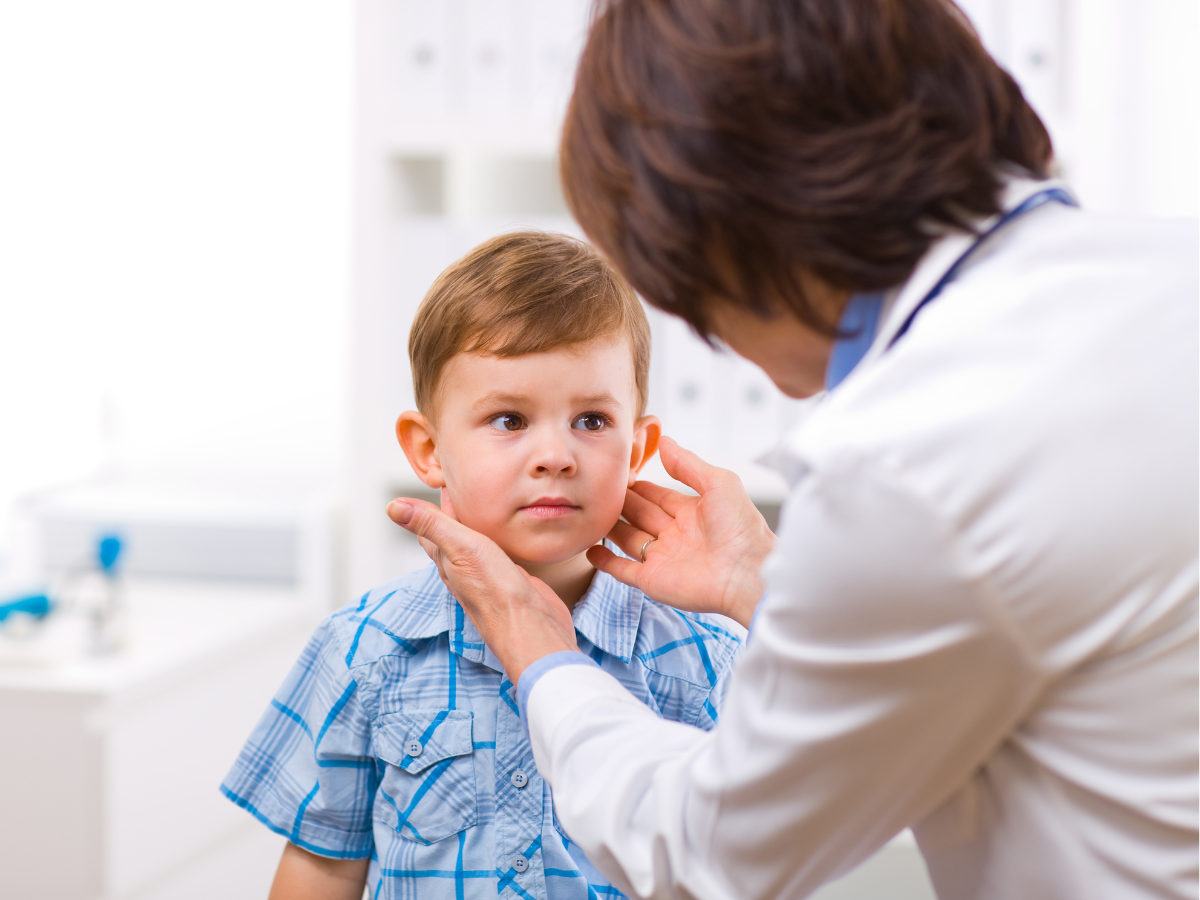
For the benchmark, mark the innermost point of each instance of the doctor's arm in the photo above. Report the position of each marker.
(880, 676)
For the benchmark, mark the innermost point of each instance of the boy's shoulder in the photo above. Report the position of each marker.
(394, 619)
(668, 640)
(398, 619)
(646, 635)
(698, 647)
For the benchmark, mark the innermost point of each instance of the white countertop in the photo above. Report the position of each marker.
(174, 628)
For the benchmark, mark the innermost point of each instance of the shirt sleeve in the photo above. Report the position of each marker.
(881, 674)
(307, 772)
(534, 672)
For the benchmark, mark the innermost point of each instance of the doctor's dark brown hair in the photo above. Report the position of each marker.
(524, 292)
(714, 149)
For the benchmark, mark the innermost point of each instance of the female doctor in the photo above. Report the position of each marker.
(979, 617)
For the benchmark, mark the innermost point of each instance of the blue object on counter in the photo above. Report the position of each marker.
(36, 605)
(108, 551)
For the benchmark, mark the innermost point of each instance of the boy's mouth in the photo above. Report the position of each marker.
(550, 507)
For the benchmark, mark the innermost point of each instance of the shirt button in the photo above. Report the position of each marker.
(520, 863)
(414, 749)
(519, 779)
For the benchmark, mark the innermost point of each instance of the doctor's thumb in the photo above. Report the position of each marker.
(420, 518)
(430, 524)
(400, 512)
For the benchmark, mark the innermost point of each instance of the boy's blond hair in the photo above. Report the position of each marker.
(524, 292)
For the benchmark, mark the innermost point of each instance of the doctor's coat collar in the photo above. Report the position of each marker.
(898, 303)
(883, 315)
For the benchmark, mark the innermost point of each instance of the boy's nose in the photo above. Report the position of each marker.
(553, 456)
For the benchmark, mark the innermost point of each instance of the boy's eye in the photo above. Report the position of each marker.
(507, 422)
(590, 422)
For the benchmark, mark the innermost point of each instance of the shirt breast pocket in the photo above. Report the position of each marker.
(428, 786)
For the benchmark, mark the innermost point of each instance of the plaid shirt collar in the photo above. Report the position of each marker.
(607, 615)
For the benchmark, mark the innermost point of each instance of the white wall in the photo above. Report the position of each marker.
(175, 209)
(1137, 95)
(174, 230)
(1117, 83)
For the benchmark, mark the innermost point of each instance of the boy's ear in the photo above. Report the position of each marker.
(419, 442)
(646, 432)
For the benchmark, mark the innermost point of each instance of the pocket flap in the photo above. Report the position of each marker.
(442, 734)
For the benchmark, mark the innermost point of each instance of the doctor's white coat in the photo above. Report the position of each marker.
(981, 619)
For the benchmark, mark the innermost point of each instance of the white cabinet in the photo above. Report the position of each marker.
(421, 61)
(111, 765)
(554, 32)
(487, 59)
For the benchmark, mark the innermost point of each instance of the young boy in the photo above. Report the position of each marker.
(394, 754)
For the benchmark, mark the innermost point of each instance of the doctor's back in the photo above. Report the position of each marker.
(1002, 508)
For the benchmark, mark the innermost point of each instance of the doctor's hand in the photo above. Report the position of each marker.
(517, 615)
(701, 554)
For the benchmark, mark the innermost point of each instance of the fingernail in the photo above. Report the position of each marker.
(400, 512)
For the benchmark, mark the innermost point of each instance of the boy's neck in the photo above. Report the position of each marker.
(570, 579)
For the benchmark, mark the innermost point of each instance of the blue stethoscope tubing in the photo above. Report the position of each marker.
(1041, 198)
(860, 318)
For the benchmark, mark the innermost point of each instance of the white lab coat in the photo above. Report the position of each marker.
(982, 615)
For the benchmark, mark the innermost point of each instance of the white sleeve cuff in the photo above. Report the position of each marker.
(540, 667)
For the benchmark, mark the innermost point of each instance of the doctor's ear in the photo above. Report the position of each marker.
(646, 432)
(419, 442)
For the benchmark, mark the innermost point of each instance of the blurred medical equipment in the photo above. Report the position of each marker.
(92, 592)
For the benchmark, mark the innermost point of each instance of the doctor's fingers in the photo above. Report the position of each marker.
(670, 501)
(645, 514)
(434, 552)
(685, 466)
(630, 539)
(471, 565)
(456, 544)
(624, 570)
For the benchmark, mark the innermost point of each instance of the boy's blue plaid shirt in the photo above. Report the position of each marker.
(397, 736)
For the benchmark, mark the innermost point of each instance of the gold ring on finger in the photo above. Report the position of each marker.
(645, 545)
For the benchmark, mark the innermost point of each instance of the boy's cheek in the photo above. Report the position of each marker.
(609, 496)
(472, 508)
(482, 494)
(473, 490)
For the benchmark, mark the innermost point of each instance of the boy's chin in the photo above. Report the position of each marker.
(543, 553)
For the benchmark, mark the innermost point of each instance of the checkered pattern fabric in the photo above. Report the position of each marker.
(397, 736)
